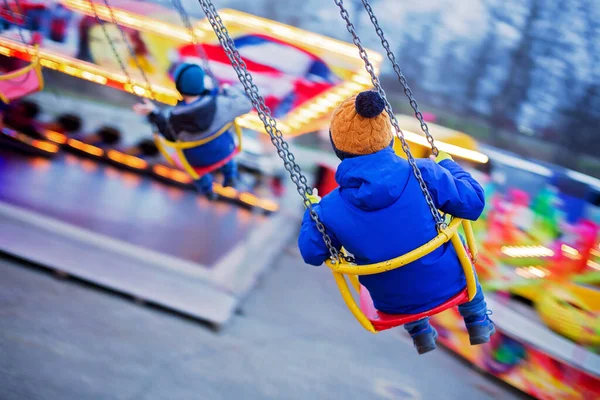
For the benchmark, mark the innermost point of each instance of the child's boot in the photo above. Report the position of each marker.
(204, 186)
(477, 320)
(230, 173)
(480, 328)
(423, 335)
(211, 195)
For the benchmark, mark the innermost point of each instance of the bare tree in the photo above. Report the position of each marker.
(508, 102)
(485, 54)
(580, 124)
(358, 12)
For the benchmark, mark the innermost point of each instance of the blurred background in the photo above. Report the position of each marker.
(120, 282)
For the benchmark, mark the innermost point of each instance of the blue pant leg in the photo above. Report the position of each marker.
(230, 170)
(477, 322)
(204, 184)
(474, 309)
(417, 326)
(423, 335)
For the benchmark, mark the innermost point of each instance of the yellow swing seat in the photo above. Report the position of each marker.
(22, 82)
(197, 172)
(375, 321)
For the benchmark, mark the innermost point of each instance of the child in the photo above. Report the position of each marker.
(201, 114)
(379, 213)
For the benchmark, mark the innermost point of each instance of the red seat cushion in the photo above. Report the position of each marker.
(21, 86)
(382, 321)
(201, 171)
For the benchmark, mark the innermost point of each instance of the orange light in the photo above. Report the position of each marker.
(45, 146)
(269, 205)
(228, 192)
(593, 264)
(569, 250)
(175, 193)
(89, 165)
(71, 159)
(527, 251)
(161, 170)
(5, 51)
(131, 179)
(125, 159)
(180, 176)
(173, 174)
(40, 163)
(39, 144)
(56, 137)
(86, 148)
(49, 64)
(249, 199)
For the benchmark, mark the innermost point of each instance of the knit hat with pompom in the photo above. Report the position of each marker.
(360, 126)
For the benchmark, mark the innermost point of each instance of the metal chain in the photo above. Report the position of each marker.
(401, 77)
(185, 18)
(110, 42)
(132, 55)
(264, 113)
(131, 50)
(439, 221)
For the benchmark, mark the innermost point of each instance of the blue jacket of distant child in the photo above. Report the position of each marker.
(202, 118)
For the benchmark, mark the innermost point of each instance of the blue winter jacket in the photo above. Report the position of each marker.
(379, 213)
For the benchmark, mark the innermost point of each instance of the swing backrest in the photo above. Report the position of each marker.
(344, 271)
(22, 82)
(181, 161)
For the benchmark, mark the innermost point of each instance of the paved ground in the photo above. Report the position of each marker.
(60, 340)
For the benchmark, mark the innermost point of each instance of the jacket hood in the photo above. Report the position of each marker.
(373, 181)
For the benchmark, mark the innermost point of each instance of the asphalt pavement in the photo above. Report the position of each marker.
(294, 339)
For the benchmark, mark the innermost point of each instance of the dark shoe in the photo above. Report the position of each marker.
(424, 340)
(231, 182)
(210, 195)
(481, 330)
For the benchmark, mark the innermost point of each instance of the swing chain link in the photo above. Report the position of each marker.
(132, 55)
(264, 113)
(439, 221)
(185, 18)
(131, 52)
(401, 78)
(110, 42)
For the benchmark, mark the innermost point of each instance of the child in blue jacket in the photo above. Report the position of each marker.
(379, 213)
(201, 114)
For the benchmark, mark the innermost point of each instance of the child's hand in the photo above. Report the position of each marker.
(442, 155)
(314, 197)
(144, 108)
(223, 89)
